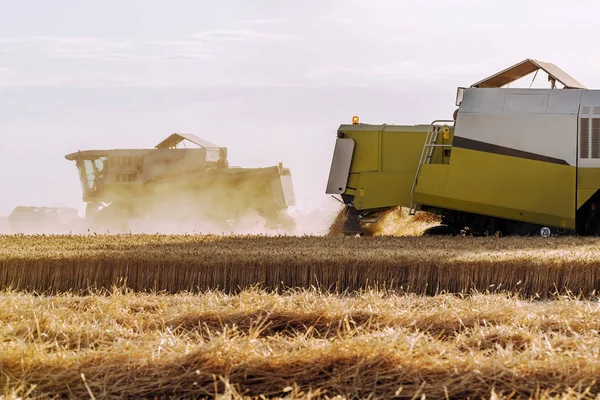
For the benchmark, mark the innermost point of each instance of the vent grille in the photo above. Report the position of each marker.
(584, 139)
(585, 110)
(597, 110)
(595, 137)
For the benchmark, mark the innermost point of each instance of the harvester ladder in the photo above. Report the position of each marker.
(430, 144)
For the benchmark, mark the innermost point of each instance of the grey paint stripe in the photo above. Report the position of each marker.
(506, 151)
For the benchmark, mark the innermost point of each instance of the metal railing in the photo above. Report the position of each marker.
(427, 153)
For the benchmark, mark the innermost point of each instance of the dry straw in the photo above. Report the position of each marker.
(531, 267)
(302, 344)
(393, 222)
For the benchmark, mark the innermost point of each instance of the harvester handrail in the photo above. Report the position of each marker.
(427, 145)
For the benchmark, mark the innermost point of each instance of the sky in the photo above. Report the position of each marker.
(271, 80)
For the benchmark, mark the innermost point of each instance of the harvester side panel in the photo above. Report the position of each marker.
(289, 196)
(384, 164)
(588, 183)
(383, 189)
(172, 163)
(513, 156)
(512, 188)
(588, 162)
(517, 119)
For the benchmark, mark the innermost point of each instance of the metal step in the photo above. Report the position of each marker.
(426, 155)
(414, 207)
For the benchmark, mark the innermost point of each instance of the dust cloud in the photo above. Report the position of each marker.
(304, 223)
(175, 191)
(176, 217)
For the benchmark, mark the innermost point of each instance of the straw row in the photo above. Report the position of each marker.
(531, 267)
(298, 345)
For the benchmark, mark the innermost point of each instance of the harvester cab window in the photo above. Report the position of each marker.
(123, 161)
(100, 165)
(222, 161)
(212, 155)
(89, 173)
(94, 173)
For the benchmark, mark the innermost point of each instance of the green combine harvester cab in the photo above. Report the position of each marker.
(171, 186)
(511, 161)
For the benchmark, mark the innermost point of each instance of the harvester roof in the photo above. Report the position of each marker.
(383, 127)
(94, 154)
(170, 142)
(176, 138)
(524, 68)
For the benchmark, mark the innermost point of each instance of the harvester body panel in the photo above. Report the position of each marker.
(513, 156)
(588, 161)
(383, 165)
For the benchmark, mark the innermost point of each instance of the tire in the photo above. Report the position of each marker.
(440, 230)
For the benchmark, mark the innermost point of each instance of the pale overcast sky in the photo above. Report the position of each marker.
(271, 80)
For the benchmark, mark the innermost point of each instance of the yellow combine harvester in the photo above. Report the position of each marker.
(171, 186)
(511, 161)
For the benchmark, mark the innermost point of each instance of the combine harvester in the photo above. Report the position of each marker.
(511, 161)
(170, 187)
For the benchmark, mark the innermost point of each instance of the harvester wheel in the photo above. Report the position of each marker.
(113, 218)
(281, 220)
(545, 232)
(440, 230)
(91, 210)
(351, 225)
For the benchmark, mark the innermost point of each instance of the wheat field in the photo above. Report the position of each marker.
(532, 267)
(298, 344)
(192, 316)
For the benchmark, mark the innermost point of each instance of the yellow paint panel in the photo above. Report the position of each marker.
(583, 195)
(384, 164)
(432, 184)
(588, 178)
(379, 189)
(588, 182)
(400, 152)
(511, 187)
(366, 151)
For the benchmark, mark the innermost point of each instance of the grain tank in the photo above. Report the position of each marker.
(510, 161)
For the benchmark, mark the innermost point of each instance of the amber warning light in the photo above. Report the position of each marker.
(355, 120)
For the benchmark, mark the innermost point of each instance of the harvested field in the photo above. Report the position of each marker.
(301, 344)
(528, 266)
